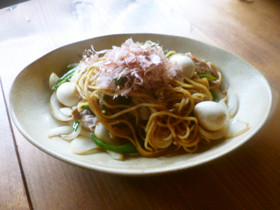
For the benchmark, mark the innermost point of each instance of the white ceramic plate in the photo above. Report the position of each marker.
(29, 100)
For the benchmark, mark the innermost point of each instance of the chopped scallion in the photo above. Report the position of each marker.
(123, 149)
(76, 124)
(120, 81)
(215, 96)
(85, 107)
(64, 78)
(208, 76)
(169, 53)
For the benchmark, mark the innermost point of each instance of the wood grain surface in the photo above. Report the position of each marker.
(247, 178)
(12, 190)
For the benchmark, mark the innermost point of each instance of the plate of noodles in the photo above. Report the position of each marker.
(139, 104)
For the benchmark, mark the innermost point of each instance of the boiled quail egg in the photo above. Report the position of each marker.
(67, 94)
(186, 63)
(211, 115)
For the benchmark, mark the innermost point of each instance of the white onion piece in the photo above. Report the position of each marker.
(233, 128)
(53, 79)
(115, 155)
(55, 109)
(213, 135)
(83, 145)
(60, 130)
(236, 128)
(71, 136)
(223, 103)
(66, 111)
(85, 133)
(232, 102)
(101, 132)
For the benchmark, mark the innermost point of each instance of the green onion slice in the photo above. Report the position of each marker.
(65, 77)
(123, 149)
(169, 53)
(215, 96)
(120, 81)
(85, 107)
(76, 124)
(208, 76)
(71, 66)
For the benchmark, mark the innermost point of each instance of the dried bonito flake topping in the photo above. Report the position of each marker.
(135, 65)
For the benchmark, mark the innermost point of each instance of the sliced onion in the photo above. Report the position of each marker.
(66, 111)
(53, 79)
(223, 103)
(85, 133)
(101, 132)
(232, 102)
(55, 109)
(60, 130)
(72, 135)
(236, 127)
(115, 155)
(83, 145)
(213, 135)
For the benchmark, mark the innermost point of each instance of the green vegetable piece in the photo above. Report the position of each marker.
(104, 96)
(215, 96)
(103, 107)
(208, 76)
(120, 81)
(169, 53)
(64, 78)
(85, 107)
(153, 44)
(123, 149)
(123, 100)
(76, 124)
(71, 66)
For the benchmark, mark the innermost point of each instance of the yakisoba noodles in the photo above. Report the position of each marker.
(137, 98)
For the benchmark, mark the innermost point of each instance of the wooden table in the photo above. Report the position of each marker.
(247, 178)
